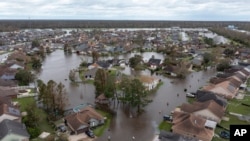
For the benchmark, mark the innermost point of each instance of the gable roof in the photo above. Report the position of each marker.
(5, 100)
(203, 96)
(80, 120)
(12, 127)
(170, 136)
(7, 92)
(103, 64)
(7, 109)
(154, 61)
(147, 79)
(210, 105)
(225, 88)
(91, 72)
(9, 83)
(191, 124)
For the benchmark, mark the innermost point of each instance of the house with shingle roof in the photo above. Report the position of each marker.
(203, 96)
(9, 112)
(8, 92)
(225, 89)
(148, 81)
(209, 110)
(83, 120)
(170, 136)
(154, 63)
(192, 126)
(90, 74)
(13, 131)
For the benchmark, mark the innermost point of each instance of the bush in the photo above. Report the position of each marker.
(34, 132)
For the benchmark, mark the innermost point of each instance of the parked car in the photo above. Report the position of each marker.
(190, 95)
(90, 133)
(167, 118)
(225, 134)
(62, 128)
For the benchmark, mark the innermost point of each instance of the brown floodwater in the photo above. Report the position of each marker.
(125, 124)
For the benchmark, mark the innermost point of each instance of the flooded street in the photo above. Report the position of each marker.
(57, 66)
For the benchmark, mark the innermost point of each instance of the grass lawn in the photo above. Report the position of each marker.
(44, 125)
(100, 130)
(164, 125)
(191, 100)
(236, 106)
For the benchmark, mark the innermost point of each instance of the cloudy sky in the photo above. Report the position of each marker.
(218, 10)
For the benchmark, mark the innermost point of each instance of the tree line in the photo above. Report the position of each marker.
(236, 36)
(11, 25)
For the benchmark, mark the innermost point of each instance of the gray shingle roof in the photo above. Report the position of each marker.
(8, 126)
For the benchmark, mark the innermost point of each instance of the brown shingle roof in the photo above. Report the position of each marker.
(191, 125)
(210, 105)
(76, 120)
(146, 79)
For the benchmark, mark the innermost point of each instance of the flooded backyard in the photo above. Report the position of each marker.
(124, 126)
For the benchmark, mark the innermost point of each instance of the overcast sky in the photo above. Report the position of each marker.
(219, 10)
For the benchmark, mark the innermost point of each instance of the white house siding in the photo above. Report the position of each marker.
(6, 116)
(207, 114)
(151, 85)
(14, 137)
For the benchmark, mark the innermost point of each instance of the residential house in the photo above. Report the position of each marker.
(94, 65)
(192, 126)
(104, 64)
(100, 64)
(8, 83)
(170, 136)
(170, 70)
(13, 131)
(149, 82)
(9, 112)
(154, 63)
(8, 74)
(82, 49)
(16, 66)
(209, 110)
(102, 99)
(225, 89)
(5, 100)
(83, 120)
(197, 61)
(90, 74)
(203, 96)
(8, 92)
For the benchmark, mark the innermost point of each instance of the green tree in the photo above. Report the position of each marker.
(100, 81)
(72, 75)
(61, 99)
(36, 63)
(207, 59)
(135, 61)
(35, 43)
(24, 77)
(95, 56)
(31, 120)
(53, 97)
(110, 87)
(135, 93)
(223, 65)
(139, 95)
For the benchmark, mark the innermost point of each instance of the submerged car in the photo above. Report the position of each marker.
(90, 133)
(225, 134)
(167, 118)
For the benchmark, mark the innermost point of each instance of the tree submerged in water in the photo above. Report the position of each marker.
(135, 93)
